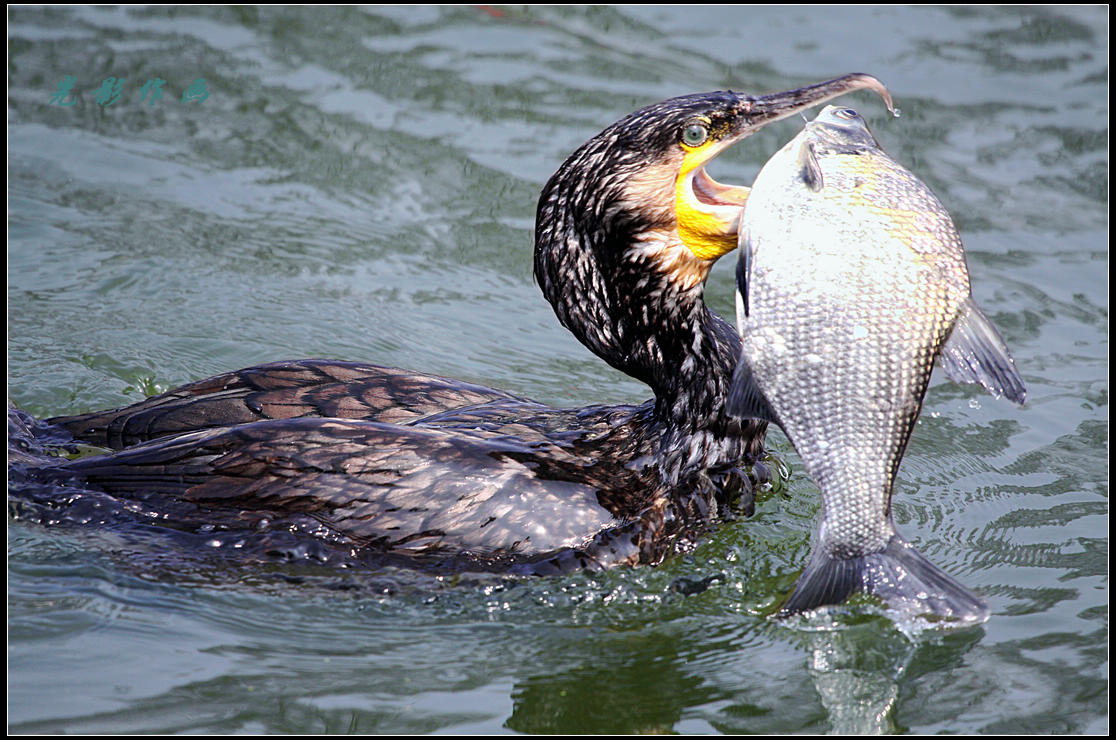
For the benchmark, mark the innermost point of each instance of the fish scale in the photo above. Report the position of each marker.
(851, 281)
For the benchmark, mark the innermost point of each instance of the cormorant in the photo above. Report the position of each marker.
(423, 470)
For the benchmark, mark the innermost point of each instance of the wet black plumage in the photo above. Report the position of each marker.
(403, 466)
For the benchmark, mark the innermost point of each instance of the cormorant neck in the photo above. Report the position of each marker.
(634, 295)
(687, 356)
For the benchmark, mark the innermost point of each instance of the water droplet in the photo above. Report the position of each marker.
(974, 404)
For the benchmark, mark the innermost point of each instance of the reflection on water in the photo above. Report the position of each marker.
(857, 677)
(361, 184)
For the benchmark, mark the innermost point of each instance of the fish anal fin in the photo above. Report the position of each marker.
(975, 353)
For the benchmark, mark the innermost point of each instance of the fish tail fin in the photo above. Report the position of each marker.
(900, 575)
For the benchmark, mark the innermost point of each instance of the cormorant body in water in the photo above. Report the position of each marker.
(427, 471)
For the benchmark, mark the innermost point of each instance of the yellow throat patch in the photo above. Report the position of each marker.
(707, 229)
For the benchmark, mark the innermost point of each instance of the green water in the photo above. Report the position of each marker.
(361, 184)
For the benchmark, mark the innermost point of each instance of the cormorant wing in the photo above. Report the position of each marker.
(396, 489)
(279, 390)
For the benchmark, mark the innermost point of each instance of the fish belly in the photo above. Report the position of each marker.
(848, 308)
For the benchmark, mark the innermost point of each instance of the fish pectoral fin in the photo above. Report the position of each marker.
(810, 170)
(899, 575)
(744, 398)
(975, 353)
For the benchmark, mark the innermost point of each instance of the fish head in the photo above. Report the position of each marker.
(838, 128)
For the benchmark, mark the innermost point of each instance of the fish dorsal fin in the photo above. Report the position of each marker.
(975, 353)
(810, 170)
(743, 273)
(744, 398)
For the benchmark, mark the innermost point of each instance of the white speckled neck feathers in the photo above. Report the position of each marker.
(620, 278)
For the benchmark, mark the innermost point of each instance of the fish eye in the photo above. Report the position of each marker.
(847, 113)
(695, 134)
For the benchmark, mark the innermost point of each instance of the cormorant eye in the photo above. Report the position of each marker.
(847, 113)
(695, 134)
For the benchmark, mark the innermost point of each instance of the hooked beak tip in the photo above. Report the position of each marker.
(759, 111)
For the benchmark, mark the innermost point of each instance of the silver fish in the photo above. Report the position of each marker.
(851, 281)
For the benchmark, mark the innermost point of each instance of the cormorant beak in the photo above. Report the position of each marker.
(707, 211)
(758, 112)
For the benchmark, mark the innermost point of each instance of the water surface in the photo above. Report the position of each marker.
(361, 185)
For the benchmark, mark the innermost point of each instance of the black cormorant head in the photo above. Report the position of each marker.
(629, 226)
